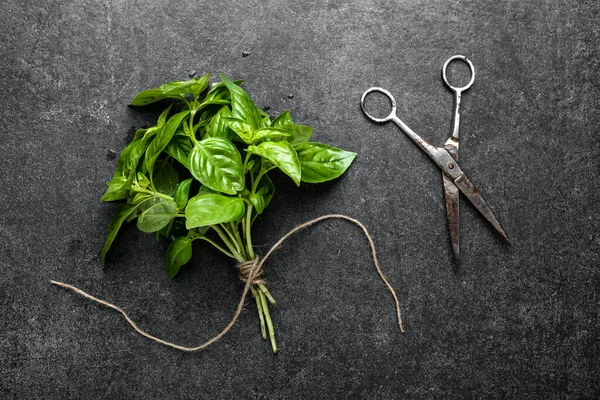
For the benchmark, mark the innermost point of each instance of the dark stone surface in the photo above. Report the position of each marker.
(518, 322)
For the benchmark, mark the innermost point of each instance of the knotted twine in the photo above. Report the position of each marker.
(250, 273)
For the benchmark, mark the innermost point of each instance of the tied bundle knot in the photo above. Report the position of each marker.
(251, 272)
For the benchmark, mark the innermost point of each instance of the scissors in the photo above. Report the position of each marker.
(454, 179)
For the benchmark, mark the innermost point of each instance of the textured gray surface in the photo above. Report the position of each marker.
(514, 322)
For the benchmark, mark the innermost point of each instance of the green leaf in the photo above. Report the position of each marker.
(182, 193)
(258, 202)
(119, 186)
(217, 126)
(162, 139)
(210, 209)
(139, 197)
(266, 189)
(270, 133)
(322, 163)
(179, 148)
(157, 216)
(165, 181)
(299, 133)
(243, 129)
(283, 119)
(282, 155)
(173, 90)
(216, 163)
(142, 180)
(178, 253)
(123, 211)
(242, 106)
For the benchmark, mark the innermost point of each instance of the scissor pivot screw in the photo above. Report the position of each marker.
(451, 165)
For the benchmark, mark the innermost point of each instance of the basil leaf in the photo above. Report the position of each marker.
(157, 216)
(270, 133)
(299, 133)
(266, 189)
(178, 253)
(142, 180)
(123, 211)
(165, 181)
(242, 105)
(119, 186)
(217, 164)
(217, 126)
(322, 163)
(283, 119)
(258, 202)
(162, 139)
(243, 129)
(210, 209)
(182, 193)
(179, 148)
(282, 155)
(173, 90)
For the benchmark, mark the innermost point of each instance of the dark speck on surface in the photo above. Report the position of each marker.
(192, 74)
(111, 154)
(245, 53)
(266, 108)
(290, 96)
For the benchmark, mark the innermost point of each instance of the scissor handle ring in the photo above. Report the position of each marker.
(445, 78)
(385, 93)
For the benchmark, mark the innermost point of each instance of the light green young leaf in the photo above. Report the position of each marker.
(322, 163)
(157, 216)
(283, 119)
(210, 209)
(282, 155)
(270, 133)
(242, 106)
(173, 90)
(243, 129)
(216, 163)
(123, 211)
(178, 253)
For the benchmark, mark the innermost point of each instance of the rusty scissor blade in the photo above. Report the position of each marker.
(452, 194)
(472, 193)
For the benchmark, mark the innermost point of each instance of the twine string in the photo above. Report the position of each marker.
(250, 273)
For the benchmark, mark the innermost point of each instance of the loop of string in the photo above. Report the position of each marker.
(250, 273)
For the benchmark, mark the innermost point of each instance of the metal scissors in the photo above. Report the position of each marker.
(455, 180)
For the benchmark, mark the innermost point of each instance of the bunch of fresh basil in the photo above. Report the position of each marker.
(202, 172)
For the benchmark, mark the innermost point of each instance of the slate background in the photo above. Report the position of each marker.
(518, 322)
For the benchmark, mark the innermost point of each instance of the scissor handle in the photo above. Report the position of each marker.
(445, 78)
(392, 113)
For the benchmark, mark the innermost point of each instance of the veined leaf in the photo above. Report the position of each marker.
(217, 126)
(119, 186)
(270, 133)
(162, 139)
(174, 90)
(242, 128)
(166, 179)
(283, 119)
(182, 193)
(217, 164)
(242, 106)
(179, 148)
(178, 253)
(282, 155)
(299, 133)
(322, 163)
(157, 216)
(210, 209)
